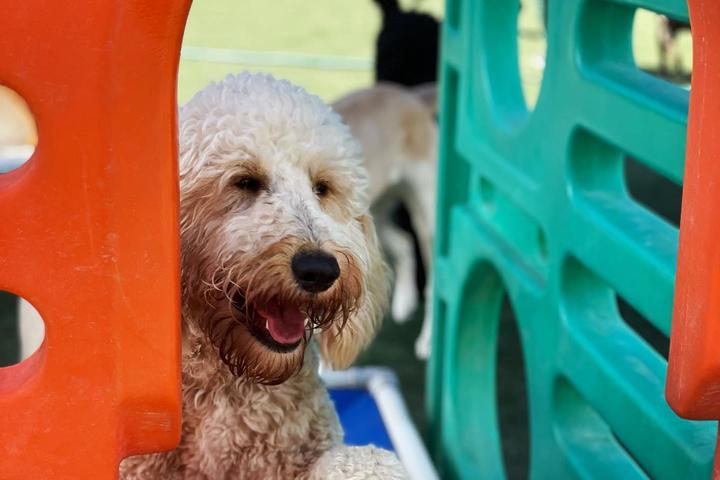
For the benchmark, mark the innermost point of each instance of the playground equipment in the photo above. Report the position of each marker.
(90, 236)
(693, 384)
(534, 206)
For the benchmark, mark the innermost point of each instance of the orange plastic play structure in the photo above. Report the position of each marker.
(693, 382)
(89, 235)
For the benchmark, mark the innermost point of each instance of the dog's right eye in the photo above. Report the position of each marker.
(249, 184)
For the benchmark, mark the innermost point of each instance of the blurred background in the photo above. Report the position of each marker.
(326, 46)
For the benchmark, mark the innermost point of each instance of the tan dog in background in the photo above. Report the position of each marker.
(397, 129)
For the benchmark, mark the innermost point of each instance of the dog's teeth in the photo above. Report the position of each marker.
(267, 325)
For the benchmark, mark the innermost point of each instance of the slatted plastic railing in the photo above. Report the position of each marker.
(693, 385)
(535, 206)
(89, 235)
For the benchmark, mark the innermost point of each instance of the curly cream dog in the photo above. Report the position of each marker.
(280, 265)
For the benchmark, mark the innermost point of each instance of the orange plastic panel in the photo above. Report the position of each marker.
(89, 235)
(693, 383)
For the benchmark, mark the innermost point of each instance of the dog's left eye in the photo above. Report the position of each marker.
(321, 189)
(249, 184)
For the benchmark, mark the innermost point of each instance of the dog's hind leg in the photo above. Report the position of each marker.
(422, 344)
(423, 228)
(400, 247)
(422, 209)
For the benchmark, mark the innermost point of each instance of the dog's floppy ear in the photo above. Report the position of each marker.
(339, 348)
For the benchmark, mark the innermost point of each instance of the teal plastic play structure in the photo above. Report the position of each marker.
(535, 207)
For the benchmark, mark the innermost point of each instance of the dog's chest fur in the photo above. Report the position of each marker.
(236, 429)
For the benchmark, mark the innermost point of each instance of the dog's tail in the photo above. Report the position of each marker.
(388, 6)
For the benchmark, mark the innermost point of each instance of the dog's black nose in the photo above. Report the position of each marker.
(314, 270)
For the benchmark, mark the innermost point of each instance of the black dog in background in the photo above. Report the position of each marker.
(406, 52)
(407, 46)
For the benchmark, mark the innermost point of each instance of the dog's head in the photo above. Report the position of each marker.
(277, 243)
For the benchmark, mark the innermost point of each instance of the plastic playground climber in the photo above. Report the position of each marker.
(534, 207)
(534, 211)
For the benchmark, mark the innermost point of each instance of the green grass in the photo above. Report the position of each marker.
(326, 27)
(644, 48)
(531, 50)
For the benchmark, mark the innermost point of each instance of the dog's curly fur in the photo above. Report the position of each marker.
(266, 171)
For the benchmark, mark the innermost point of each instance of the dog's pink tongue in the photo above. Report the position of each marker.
(286, 323)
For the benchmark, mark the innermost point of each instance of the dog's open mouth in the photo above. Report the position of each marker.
(278, 325)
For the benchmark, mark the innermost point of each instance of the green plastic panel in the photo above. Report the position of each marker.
(535, 206)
